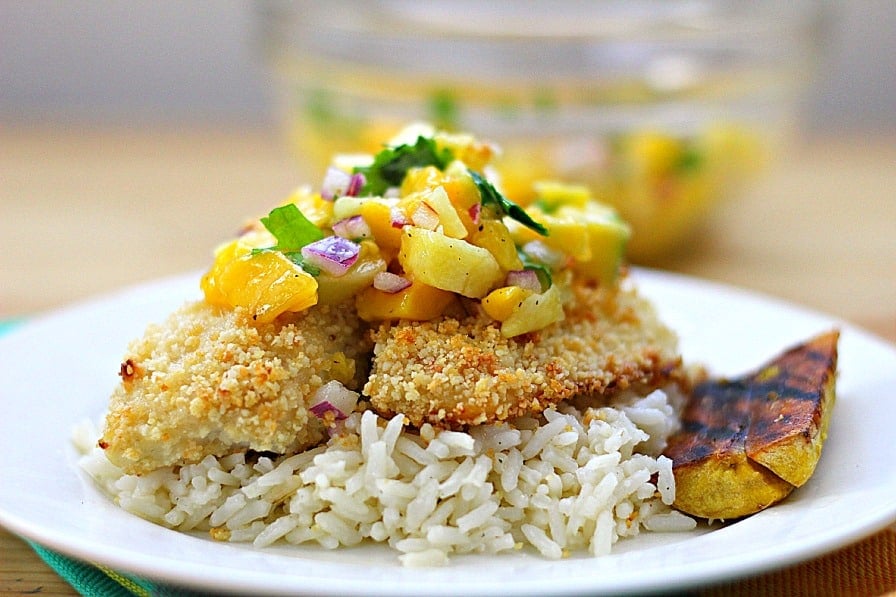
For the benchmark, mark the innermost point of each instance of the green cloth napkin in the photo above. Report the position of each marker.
(94, 580)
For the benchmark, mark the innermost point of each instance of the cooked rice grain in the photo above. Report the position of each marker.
(569, 481)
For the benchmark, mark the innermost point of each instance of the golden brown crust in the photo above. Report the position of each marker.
(209, 381)
(458, 372)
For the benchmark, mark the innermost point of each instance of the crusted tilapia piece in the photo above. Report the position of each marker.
(747, 443)
(211, 381)
(455, 372)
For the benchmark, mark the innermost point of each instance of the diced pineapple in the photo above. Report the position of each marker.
(447, 263)
(424, 216)
(501, 303)
(266, 283)
(347, 206)
(536, 312)
(494, 236)
(417, 302)
(332, 289)
(451, 223)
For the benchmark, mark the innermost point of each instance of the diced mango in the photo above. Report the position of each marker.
(266, 283)
(536, 312)
(211, 292)
(417, 302)
(448, 263)
(500, 303)
(494, 236)
(224, 254)
(461, 188)
(379, 217)
(421, 179)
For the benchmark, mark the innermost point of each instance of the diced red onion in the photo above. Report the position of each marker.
(335, 183)
(425, 217)
(389, 282)
(399, 219)
(352, 227)
(474, 212)
(332, 254)
(339, 183)
(335, 398)
(354, 184)
(524, 278)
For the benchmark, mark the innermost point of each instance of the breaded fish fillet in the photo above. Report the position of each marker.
(209, 381)
(452, 373)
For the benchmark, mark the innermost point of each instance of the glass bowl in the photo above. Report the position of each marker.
(662, 108)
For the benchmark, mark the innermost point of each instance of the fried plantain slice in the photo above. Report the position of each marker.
(746, 443)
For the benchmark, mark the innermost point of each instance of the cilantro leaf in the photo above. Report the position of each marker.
(297, 258)
(291, 228)
(490, 195)
(391, 164)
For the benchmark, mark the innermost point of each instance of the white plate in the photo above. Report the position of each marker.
(59, 369)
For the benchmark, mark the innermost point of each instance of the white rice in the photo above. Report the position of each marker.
(570, 481)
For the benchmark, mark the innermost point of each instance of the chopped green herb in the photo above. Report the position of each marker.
(291, 228)
(490, 196)
(293, 231)
(391, 164)
(541, 270)
(297, 258)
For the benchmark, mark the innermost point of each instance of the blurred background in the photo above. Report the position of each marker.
(163, 62)
(141, 133)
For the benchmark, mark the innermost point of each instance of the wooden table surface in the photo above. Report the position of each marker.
(83, 212)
